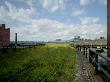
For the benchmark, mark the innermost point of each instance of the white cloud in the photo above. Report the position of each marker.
(52, 5)
(14, 13)
(87, 2)
(89, 20)
(103, 1)
(78, 12)
(46, 29)
(29, 2)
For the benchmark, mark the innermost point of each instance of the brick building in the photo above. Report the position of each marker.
(4, 35)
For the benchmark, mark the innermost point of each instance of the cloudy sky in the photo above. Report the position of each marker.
(36, 20)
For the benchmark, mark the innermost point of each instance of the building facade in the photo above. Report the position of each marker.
(4, 36)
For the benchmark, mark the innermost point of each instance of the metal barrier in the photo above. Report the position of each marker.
(93, 58)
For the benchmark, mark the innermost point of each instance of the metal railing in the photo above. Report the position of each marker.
(93, 58)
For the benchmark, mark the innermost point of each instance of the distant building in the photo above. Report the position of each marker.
(102, 37)
(93, 42)
(4, 35)
(58, 40)
(77, 38)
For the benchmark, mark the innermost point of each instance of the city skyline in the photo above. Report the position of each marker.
(43, 20)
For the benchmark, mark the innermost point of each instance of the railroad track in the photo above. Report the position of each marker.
(11, 77)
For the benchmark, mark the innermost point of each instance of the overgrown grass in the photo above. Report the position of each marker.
(56, 63)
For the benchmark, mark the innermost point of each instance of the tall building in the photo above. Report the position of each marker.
(4, 36)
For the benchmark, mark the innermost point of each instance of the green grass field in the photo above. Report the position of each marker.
(56, 63)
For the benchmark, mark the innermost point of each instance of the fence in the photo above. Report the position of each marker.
(93, 58)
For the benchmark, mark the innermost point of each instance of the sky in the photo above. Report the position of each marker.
(47, 20)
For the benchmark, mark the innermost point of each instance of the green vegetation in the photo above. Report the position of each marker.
(55, 63)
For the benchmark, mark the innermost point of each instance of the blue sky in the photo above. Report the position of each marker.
(37, 20)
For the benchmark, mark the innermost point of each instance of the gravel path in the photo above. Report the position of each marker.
(85, 70)
(81, 72)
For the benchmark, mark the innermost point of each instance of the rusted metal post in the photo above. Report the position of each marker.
(34, 46)
(86, 52)
(83, 50)
(80, 48)
(96, 61)
(77, 48)
(15, 40)
(90, 53)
